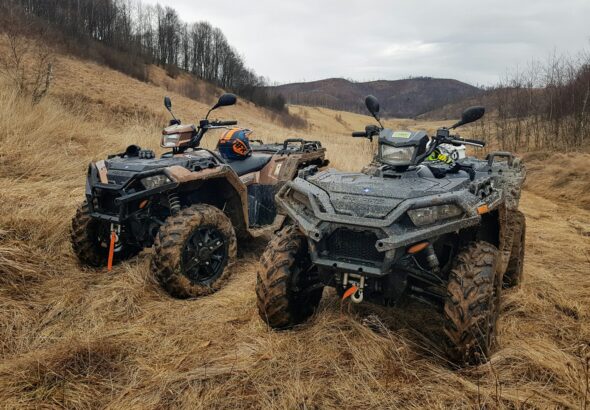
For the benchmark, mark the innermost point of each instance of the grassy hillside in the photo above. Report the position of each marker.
(84, 338)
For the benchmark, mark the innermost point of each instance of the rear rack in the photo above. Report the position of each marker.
(289, 146)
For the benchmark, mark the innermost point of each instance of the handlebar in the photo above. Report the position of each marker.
(224, 123)
(467, 141)
(359, 134)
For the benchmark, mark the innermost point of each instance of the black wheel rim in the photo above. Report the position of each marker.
(204, 255)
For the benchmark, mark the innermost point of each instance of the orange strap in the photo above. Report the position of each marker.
(111, 251)
(349, 292)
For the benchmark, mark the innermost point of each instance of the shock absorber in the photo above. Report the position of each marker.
(432, 259)
(174, 202)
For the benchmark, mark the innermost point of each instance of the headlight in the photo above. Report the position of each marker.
(170, 140)
(155, 181)
(397, 156)
(432, 214)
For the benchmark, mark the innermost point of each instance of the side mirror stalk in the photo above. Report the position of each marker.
(168, 105)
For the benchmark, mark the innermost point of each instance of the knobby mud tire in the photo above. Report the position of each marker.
(514, 272)
(472, 304)
(171, 240)
(287, 288)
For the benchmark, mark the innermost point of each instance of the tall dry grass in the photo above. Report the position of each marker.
(82, 338)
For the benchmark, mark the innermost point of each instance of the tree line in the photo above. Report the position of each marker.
(157, 35)
(545, 106)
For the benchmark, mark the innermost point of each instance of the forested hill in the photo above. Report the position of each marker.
(399, 98)
(128, 34)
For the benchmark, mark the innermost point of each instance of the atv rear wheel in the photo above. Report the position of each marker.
(472, 303)
(287, 289)
(514, 271)
(90, 239)
(193, 249)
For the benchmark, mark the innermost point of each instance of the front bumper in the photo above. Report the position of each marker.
(112, 202)
(390, 236)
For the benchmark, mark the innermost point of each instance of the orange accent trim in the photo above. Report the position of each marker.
(143, 203)
(111, 251)
(349, 292)
(418, 247)
(229, 134)
(483, 209)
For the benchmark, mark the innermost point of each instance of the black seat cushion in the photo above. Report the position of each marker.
(251, 164)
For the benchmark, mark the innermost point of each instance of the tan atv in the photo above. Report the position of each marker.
(190, 204)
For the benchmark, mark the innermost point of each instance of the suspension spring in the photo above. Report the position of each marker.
(174, 202)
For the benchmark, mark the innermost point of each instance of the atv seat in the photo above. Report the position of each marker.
(251, 164)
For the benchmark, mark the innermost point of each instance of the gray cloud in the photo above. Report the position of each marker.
(473, 41)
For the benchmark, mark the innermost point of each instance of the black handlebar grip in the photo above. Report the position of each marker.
(482, 143)
(232, 122)
(358, 134)
(475, 141)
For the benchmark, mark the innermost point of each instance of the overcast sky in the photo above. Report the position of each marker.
(474, 41)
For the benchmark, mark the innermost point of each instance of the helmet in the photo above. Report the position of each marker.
(440, 155)
(234, 144)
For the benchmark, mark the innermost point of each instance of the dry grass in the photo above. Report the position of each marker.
(562, 177)
(82, 338)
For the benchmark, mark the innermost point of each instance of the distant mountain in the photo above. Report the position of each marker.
(400, 98)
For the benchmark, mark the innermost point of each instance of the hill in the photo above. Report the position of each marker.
(400, 98)
(73, 337)
(129, 36)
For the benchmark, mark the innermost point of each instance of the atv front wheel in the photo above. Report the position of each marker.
(91, 237)
(514, 271)
(287, 288)
(193, 249)
(472, 303)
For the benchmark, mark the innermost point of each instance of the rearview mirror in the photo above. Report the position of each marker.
(372, 105)
(471, 114)
(225, 100)
(167, 103)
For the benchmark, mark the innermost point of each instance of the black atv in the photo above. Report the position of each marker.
(412, 224)
(191, 204)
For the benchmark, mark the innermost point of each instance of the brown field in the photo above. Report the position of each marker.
(82, 338)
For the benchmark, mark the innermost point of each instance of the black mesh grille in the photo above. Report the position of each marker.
(348, 244)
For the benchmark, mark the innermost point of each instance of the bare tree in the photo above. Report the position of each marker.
(27, 65)
(126, 35)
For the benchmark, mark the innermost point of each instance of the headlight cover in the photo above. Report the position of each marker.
(170, 140)
(397, 155)
(155, 181)
(432, 214)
